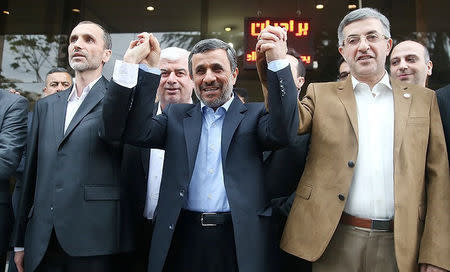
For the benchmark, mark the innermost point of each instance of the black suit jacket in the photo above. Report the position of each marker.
(443, 98)
(247, 131)
(71, 182)
(13, 133)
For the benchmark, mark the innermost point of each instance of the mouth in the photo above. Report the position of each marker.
(404, 76)
(364, 57)
(172, 91)
(210, 89)
(78, 55)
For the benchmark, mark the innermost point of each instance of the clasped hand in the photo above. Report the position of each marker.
(145, 49)
(273, 42)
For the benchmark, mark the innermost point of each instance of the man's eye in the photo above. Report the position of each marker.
(353, 40)
(372, 37)
(395, 62)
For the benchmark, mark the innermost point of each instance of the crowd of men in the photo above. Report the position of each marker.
(132, 175)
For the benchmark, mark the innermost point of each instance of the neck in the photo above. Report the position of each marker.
(82, 79)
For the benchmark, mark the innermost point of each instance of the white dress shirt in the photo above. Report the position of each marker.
(155, 167)
(74, 101)
(371, 193)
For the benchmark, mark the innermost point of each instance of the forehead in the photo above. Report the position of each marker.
(181, 63)
(217, 56)
(363, 26)
(87, 29)
(408, 48)
(59, 76)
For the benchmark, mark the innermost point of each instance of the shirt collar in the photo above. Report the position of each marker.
(384, 80)
(73, 93)
(225, 106)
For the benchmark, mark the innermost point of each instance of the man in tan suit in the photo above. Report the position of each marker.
(374, 195)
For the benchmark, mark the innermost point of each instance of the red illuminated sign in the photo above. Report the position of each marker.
(299, 32)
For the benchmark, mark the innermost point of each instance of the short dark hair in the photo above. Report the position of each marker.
(213, 44)
(301, 71)
(56, 70)
(242, 92)
(106, 35)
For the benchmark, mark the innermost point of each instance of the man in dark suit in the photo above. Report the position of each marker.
(283, 169)
(443, 98)
(142, 167)
(71, 199)
(211, 212)
(13, 133)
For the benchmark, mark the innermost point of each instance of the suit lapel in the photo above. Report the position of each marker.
(233, 117)
(59, 114)
(192, 127)
(92, 99)
(402, 103)
(347, 96)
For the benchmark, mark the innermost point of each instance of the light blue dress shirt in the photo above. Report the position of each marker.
(206, 191)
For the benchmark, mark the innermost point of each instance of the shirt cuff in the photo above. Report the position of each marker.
(153, 70)
(277, 65)
(125, 74)
(18, 249)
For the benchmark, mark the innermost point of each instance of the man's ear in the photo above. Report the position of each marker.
(429, 68)
(234, 75)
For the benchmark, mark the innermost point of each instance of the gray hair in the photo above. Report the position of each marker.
(106, 36)
(213, 44)
(361, 14)
(57, 70)
(173, 53)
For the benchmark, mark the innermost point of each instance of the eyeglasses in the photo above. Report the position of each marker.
(354, 40)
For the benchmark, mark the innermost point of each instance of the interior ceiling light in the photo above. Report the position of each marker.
(150, 8)
(230, 44)
(76, 10)
(227, 29)
(319, 6)
(352, 4)
(5, 12)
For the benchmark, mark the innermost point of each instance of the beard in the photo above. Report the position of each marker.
(227, 90)
(88, 64)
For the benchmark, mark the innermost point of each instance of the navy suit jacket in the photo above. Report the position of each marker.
(248, 130)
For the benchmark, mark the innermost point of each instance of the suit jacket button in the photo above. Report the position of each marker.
(351, 164)
(171, 226)
(341, 197)
(181, 193)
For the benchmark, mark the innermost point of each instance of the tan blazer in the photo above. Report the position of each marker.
(421, 174)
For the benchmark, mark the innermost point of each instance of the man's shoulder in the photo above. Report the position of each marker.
(9, 98)
(444, 92)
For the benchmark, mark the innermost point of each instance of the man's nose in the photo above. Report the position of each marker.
(172, 78)
(403, 65)
(209, 77)
(363, 45)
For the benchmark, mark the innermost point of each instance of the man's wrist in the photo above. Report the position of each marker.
(19, 249)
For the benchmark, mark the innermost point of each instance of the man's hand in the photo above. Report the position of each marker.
(18, 259)
(138, 49)
(272, 42)
(13, 91)
(152, 59)
(430, 268)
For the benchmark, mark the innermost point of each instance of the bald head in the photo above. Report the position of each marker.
(410, 62)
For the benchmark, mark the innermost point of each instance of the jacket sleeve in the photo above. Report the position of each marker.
(13, 133)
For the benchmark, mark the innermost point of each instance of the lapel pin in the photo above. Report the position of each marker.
(406, 95)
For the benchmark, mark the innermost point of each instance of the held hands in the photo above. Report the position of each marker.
(143, 50)
(273, 42)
